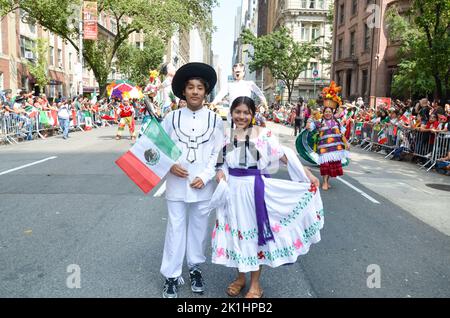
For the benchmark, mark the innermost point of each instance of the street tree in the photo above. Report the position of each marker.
(38, 68)
(281, 54)
(423, 34)
(136, 63)
(157, 17)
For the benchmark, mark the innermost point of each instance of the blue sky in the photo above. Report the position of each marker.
(222, 39)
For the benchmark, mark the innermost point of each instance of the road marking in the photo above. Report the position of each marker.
(358, 190)
(28, 165)
(161, 190)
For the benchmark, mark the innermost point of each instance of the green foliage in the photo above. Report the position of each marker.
(312, 103)
(424, 38)
(281, 54)
(39, 68)
(136, 63)
(157, 17)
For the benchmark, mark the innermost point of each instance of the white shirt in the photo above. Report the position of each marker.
(200, 137)
(237, 89)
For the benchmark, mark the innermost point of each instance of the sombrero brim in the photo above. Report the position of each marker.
(191, 70)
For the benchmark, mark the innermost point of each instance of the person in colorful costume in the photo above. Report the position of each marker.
(149, 108)
(259, 220)
(332, 145)
(126, 114)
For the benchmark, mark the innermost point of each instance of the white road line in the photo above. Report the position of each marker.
(28, 165)
(358, 190)
(161, 190)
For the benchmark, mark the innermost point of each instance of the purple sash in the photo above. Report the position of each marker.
(264, 230)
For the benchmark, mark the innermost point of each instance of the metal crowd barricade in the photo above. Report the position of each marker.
(420, 144)
(14, 127)
(441, 148)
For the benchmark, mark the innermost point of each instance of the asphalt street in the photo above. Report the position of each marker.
(77, 209)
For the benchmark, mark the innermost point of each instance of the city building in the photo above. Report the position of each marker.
(364, 59)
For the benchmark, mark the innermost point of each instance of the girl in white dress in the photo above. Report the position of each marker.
(262, 221)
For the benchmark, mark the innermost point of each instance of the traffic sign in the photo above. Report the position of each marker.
(316, 73)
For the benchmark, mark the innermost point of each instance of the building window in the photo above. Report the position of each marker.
(321, 4)
(51, 51)
(354, 7)
(366, 38)
(60, 61)
(304, 32)
(341, 14)
(304, 4)
(340, 48)
(70, 61)
(312, 4)
(1, 37)
(315, 31)
(364, 79)
(1, 81)
(352, 44)
(26, 47)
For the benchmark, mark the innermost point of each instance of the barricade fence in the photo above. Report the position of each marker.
(40, 124)
(426, 145)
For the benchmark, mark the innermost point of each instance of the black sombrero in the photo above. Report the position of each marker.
(191, 70)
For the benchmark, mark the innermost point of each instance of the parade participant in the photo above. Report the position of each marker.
(264, 221)
(299, 116)
(239, 87)
(149, 108)
(126, 114)
(332, 145)
(166, 97)
(198, 133)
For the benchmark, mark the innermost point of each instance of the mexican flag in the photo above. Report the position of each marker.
(358, 128)
(43, 118)
(382, 138)
(54, 117)
(151, 157)
(406, 117)
(31, 111)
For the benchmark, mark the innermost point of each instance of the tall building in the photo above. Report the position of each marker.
(247, 18)
(307, 20)
(364, 59)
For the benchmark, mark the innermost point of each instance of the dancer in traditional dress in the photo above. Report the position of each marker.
(332, 146)
(198, 133)
(261, 221)
(126, 114)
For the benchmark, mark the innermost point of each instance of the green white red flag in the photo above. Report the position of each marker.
(151, 157)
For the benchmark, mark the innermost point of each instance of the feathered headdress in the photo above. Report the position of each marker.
(330, 95)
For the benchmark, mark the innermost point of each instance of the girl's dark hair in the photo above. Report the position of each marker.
(246, 101)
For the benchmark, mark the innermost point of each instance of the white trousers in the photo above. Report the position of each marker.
(187, 228)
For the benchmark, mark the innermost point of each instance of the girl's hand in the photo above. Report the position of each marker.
(220, 175)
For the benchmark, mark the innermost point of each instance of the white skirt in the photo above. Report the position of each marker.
(296, 217)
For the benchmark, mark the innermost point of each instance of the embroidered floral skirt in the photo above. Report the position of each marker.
(296, 217)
